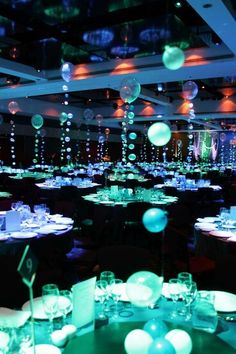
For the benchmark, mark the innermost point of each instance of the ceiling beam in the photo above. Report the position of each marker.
(9, 67)
(219, 18)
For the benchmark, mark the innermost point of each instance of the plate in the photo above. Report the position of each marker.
(23, 235)
(43, 349)
(224, 302)
(106, 202)
(202, 225)
(53, 227)
(39, 313)
(229, 226)
(3, 237)
(64, 221)
(13, 318)
(232, 239)
(208, 219)
(221, 233)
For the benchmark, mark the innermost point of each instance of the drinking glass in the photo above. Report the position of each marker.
(100, 295)
(65, 303)
(1, 222)
(108, 276)
(50, 295)
(182, 277)
(174, 292)
(189, 294)
(116, 292)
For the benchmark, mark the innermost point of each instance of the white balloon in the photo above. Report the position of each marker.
(137, 342)
(180, 340)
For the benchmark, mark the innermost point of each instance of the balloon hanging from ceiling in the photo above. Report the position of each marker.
(37, 121)
(190, 90)
(173, 58)
(13, 107)
(63, 117)
(130, 90)
(67, 71)
(88, 114)
(159, 134)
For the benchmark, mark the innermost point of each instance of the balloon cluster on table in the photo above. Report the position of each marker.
(155, 338)
(129, 91)
(37, 123)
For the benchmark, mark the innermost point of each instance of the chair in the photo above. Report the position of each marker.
(123, 260)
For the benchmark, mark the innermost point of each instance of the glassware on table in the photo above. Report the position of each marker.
(204, 316)
(16, 205)
(174, 292)
(1, 222)
(189, 293)
(116, 292)
(65, 303)
(108, 276)
(182, 277)
(100, 295)
(50, 296)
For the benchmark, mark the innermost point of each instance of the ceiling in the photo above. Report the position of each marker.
(107, 41)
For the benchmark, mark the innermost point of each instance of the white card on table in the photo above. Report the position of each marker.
(12, 220)
(83, 302)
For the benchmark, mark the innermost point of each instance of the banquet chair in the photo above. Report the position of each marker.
(123, 260)
(182, 258)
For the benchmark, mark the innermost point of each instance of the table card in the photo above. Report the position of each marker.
(13, 220)
(83, 302)
(233, 213)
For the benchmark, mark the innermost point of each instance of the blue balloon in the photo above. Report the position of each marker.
(161, 346)
(156, 328)
(67, 71)
(155, 220)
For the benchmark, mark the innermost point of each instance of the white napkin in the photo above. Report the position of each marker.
(13, 318)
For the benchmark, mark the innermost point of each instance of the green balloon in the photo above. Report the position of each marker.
(132, 157)
(37, 121)
(131, 146)
(173, 58)
(159, 134)
(63, 117)
(132, 136)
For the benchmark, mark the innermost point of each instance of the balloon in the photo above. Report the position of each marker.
(132, 136)
(156, 328)
(161, 346)
(101, 138)
(155, 220)
(144, 288)
(173, 57)
(43, 133)
(190, 90)
(159, 134)
(99, 118)
(37, 121)
(137, 342)
(63, 117)
(1, 119)
(88, 114)
(132, 157)
(131, 115)
(131, 146)
(107, 131)
(222, 137)
(130, 176)
(13, 107)
(130, 90)
(67, 70)
(180, 340)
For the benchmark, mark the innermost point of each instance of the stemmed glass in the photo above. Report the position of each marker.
(50, 296)
(65, 303)
(108, 276)
(116, 292)
(174, 292)
(100, 295)
(189, 295)
(182, 277)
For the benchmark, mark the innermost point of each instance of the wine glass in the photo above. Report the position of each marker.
(108, 276)
(100, 295)
(116, 292)
(189, 295)
(174, 292)
(182, 277)
(65, 303)
(50, 295)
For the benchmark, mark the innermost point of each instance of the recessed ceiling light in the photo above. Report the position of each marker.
(178, 4)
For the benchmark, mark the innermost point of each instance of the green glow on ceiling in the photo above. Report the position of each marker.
(205, 145)
(60, 13)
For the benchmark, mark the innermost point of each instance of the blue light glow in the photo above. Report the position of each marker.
(101, 37)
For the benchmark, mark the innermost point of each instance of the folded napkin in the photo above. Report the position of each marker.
(13, 318)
